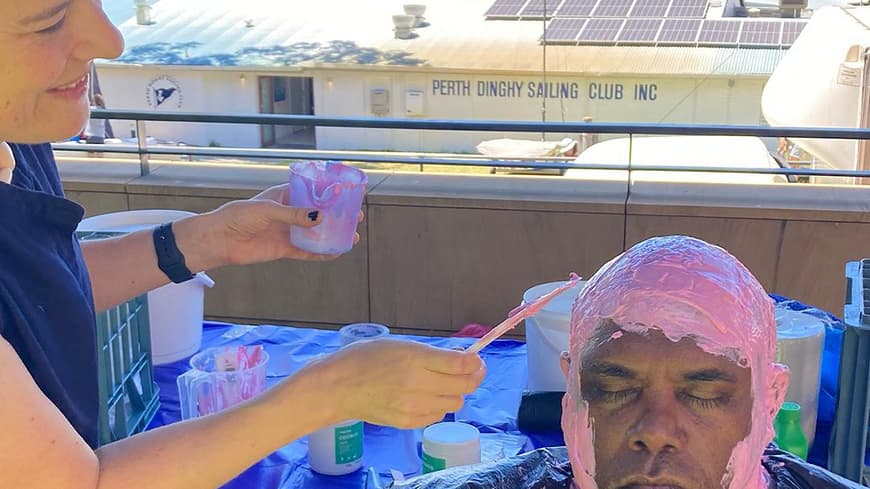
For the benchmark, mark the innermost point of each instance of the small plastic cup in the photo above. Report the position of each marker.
(334, 189)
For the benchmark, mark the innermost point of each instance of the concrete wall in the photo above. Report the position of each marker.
(440, 251)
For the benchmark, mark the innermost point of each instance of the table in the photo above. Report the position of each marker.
(492, 408)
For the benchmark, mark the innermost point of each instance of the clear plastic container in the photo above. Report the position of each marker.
(337, 191)
(221, 377)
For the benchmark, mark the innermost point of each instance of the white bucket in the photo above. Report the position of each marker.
(175, 310)
(800, 340)
(547, 334)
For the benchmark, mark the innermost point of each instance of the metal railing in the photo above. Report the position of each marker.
(143, 150)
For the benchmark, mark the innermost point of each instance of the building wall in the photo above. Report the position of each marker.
(453, 96)
(445, 96)
(195, 91)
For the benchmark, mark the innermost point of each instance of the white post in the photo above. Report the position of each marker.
(142, 140)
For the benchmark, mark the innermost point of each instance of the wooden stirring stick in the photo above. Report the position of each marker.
(522, 312)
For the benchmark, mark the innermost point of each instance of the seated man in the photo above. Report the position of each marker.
(671, 384)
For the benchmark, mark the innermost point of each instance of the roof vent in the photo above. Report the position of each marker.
(143, 12)
(417, 10)
(404, 26)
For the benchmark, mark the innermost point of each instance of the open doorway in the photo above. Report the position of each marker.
(287, 95)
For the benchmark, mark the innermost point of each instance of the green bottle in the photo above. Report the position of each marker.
(789, 434)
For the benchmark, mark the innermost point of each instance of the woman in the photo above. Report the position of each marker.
(50, 288)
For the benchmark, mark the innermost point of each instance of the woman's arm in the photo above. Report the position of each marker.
(39, 448)
(238, 233)
(390, 382)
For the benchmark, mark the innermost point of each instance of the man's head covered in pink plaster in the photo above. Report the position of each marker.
(671, 373)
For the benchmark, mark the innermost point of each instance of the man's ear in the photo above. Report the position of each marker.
(565, 364)
(778, 388)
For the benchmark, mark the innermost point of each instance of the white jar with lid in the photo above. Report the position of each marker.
(450, 444)
(800, 342)
(337, 449)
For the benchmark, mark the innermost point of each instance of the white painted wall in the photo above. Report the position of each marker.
(686, 100)
(200, 91)
(446, 96)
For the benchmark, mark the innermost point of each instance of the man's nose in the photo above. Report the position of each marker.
(658, 427)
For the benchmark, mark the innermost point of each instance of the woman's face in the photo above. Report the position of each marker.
(46, 51)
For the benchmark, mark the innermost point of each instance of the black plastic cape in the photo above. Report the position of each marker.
(549, 468)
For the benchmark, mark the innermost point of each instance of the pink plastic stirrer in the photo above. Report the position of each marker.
(522, 312)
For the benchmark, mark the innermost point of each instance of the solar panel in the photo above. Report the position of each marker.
(791, 31)
(640, 30)
(650, 8)
(679, 31)
(600, 30)
(576, 8)
(612, 8)
(688, 8)
(535, 8)
(563, 30)
(761, 32)
(719, 32)
(505, 8)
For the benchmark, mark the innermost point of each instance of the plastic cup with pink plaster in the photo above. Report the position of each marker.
(334, 189)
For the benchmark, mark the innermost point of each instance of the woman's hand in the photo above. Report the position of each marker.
(398, 383)
(247, 231)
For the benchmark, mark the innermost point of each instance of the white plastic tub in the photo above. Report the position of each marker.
(547, 335)
(175, 310)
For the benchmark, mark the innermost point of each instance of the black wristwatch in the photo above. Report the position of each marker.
(169, 258)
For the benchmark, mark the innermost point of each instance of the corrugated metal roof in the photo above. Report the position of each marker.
(359, 33)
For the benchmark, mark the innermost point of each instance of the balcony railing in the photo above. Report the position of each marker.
(143, 150)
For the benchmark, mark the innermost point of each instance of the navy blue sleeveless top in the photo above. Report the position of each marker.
(46, 302)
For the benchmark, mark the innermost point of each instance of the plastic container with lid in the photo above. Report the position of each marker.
(337, 450)
(362, 331)
(800, 340)
(547, 334)
(450, 444)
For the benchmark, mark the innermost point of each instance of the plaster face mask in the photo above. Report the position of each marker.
(672, 380)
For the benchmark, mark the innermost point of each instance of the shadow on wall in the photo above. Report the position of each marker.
(344, 52)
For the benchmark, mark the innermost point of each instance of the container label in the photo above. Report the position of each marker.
(432, 464)
(849, 75)
(349, 443)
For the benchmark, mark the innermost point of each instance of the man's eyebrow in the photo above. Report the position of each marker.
(607, 369)
(709, 375)
(46, 14)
